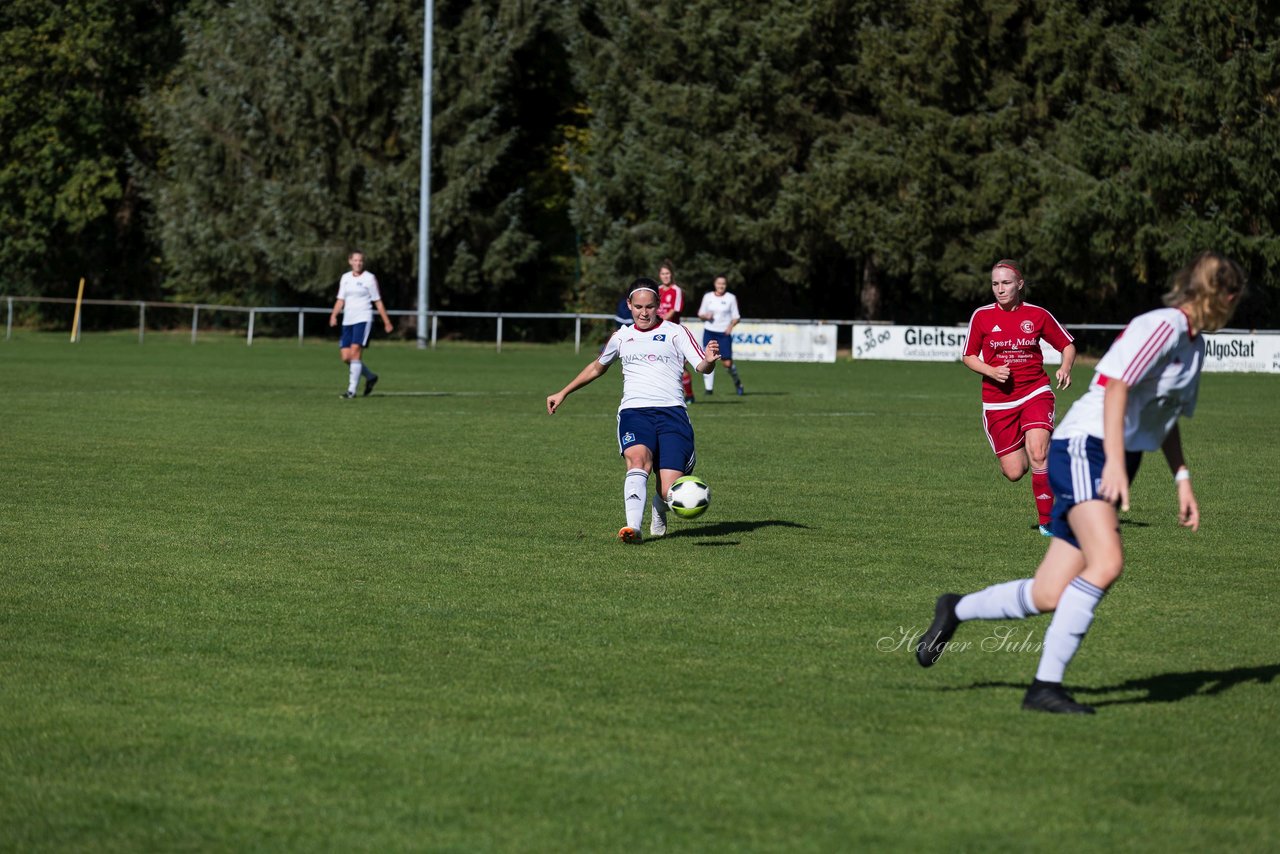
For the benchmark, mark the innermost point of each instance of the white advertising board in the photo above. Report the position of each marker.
(779, 342)
(1224, 352)
(1231, 352)
(920, 343)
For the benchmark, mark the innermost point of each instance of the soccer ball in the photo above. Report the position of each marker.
(689, 497)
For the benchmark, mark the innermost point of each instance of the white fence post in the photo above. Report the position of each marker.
(8, 327)
(195, 320)
(299, 327)
(577, 333)
(499, 333)
(252, 313)
(142, 320)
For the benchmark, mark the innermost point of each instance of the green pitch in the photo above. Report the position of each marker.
(241, 613)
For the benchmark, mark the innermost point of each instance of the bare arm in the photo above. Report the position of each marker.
(1115, 479)
(999, 373)
(333, 315)
(1188, 508)
(708, 364)
(386, 321)
(593, 370)
(1064, 370)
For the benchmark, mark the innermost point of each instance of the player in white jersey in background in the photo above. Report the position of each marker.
(653, 423)
(720, 310)
(1147, 379)
(358, 296)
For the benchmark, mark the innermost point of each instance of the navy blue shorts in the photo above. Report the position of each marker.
(725, 339)
(1075, 474)
(356, 333)
(664, 430)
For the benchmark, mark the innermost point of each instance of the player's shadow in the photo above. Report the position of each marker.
(1172, 687)
(1163, 687)
(733, 398)
(1134, 523)
(724, 529)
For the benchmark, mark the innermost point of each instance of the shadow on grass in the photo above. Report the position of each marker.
(735, 398)
(1163, 687)
(724, 529)
(1172, 687)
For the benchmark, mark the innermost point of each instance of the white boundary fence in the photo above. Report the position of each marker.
(807, 340)
(253, 313)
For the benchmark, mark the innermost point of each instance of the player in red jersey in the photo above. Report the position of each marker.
(670, 307)
(1017, 397)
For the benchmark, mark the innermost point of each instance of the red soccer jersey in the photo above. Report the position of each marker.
(1013, 338)
(670, 303)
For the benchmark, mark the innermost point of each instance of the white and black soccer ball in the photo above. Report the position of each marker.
(689, 497)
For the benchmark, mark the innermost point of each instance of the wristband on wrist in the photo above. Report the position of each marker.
(1182, 474)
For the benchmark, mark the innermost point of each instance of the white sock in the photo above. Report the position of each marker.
(1067, 629)
(355, 368)
(633, 494)
(709, 380)
(658, 507)
(364, 370)
(1008, 601)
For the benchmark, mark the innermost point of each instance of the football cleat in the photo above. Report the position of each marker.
(944, 625)
(1052, 697)
(741, 390)
(657, 525)
(630, 535)
(1045, 532)
(369, 384)
(348, 395)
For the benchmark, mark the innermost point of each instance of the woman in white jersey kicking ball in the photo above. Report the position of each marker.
(653, 424)
(1147, 379)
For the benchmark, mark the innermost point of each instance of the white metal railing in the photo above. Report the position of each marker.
(497, 316)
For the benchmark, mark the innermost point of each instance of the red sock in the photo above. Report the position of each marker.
(687, 382)
(1044, 495)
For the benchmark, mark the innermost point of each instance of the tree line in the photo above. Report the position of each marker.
(835, 158)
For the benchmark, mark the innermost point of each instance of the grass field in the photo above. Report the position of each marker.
(240, 613)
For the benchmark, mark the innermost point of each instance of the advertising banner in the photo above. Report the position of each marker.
(1231, 352)
(779, 342)
(920, 343)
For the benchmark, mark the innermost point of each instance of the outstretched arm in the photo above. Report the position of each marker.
(1188, 509)
(589, 373)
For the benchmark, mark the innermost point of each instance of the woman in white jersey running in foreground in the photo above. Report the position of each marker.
(1147, 379)
(653, 424)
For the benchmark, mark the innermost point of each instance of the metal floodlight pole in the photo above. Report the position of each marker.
(424, 179)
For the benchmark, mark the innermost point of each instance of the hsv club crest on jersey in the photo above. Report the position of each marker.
(652, 362)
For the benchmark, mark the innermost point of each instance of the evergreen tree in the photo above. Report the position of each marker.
(1174, 151)
(289, 131)
(294, 134)
(70, 124)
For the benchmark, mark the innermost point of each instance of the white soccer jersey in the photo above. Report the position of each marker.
(723, 311)
(358, 294)
(1161, 363)
(652, 362)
